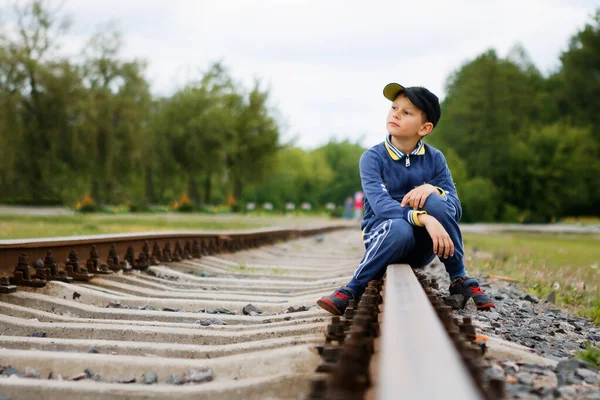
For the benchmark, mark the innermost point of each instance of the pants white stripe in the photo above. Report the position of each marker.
(374, 247)
(374, 232)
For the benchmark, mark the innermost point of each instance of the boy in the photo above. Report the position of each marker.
(411, 206)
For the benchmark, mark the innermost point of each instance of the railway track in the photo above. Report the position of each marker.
(221, 316)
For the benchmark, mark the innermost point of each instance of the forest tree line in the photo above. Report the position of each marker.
(522, 146)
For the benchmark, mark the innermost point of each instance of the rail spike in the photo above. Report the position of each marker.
(51, 270)
(187, 250)
(22, 275)
(94, 265)
(5, 285)
(178, 252)
(74, 270)
(196, 249)
(113, 259)
(157, 255)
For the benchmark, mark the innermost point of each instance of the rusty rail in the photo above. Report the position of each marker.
(31, 262)
(419, 360)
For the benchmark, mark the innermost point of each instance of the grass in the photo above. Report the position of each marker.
(591, 355)
(542, 262)
(278, 271)
(20, 226)
(241, 267)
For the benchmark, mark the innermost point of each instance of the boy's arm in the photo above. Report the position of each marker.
(442, 243)
(380, 200)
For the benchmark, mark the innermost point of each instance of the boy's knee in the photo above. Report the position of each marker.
(401, 232)
(437, 206)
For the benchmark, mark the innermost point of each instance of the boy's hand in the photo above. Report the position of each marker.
(442, 244)
(416, 197)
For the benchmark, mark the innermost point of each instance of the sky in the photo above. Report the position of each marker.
(326, 62)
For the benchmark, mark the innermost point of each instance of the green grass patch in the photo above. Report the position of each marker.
(21, 226)
(241, 267)
(542, 262)
(278, 271)
(591, 355)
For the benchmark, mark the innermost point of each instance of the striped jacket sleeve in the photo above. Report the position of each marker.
(377, 194)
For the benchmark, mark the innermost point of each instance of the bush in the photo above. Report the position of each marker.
(138, 208)
(511, 213)
(44, 201)
(86, 204)
(184, 204)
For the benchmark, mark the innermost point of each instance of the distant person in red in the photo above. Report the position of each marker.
(358, 205)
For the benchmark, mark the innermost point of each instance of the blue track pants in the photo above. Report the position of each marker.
(395, 241)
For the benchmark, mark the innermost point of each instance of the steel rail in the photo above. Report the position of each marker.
(417, 359)
(218, 240)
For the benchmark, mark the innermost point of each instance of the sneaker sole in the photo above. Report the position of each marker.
(486, 306)
(328, 306)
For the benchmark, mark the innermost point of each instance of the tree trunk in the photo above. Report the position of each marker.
(193, 189)
(207, 188)
(96, 190)
(237, 189)
(149, 186)
(108, 192)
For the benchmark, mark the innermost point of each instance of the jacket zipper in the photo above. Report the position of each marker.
(407, 161)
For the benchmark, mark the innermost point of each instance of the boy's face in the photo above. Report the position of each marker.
(404, 120)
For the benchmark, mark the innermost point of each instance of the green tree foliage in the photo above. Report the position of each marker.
(193, 128)
(116, 112)
(253, 146)
(578, 89)
(39, 95)
(298, 176)
(478, 112)
(478, 200)
(554, 170)
(342, 157)
(527, 142)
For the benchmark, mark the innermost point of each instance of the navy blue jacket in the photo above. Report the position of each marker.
(387, 174)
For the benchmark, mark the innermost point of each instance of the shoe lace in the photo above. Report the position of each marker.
(341, 295)
(475, 290)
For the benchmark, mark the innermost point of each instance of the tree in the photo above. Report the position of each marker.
(255, 139)
(489, 100)
(479, 201)
(553, 171)
(578, 88)
(195, 125)
(342, 157)
(41, 93)
(296, 176)
(117, 117)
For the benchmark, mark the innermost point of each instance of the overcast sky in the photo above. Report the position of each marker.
(326, 62)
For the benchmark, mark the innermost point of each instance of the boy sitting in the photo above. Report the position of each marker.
(411, 206)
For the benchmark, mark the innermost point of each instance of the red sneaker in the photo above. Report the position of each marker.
(469, 287)
(337, 302)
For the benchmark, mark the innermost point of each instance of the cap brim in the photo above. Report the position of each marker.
(391, 91)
